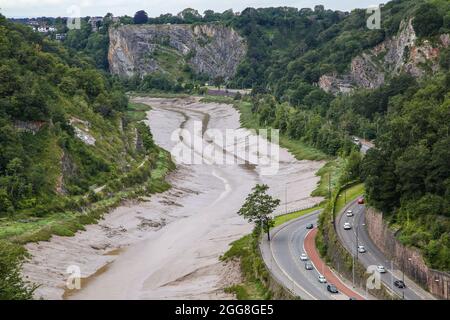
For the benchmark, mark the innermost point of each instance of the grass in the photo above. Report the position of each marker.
(159, 94)
(217, 99)
(299, 149)
(349, 194)
(252, 269)
(279, 220)
(171, 61)
(302, 151)
(329, 177)
(137, 111)
(67, 223)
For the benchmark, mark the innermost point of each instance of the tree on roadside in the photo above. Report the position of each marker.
(140, 17)
(258, 208)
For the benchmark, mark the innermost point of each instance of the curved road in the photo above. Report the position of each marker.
(282, 257)
(358, 235)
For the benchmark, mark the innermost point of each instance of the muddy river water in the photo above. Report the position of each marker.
(168, 247)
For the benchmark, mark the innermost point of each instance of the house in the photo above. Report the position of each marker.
(44, 29)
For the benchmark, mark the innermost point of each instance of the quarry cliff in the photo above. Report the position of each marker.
(213, 50)
(403, 52)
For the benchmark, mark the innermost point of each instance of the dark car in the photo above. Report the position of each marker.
(361, 201)
(399, 284)
(310, 226)
(331, 288)
(308, 266)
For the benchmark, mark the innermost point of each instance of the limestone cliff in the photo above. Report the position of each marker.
(400, 53)
(141, 49)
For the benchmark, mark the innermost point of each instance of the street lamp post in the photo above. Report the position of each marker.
(285, 198)
(353, 267)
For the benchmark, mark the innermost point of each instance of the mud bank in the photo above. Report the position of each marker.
(170, 243)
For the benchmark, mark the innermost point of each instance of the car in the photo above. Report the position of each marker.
(352, 298)
(381, 269)
(303, 257)
(361, 249)
(310, 226)
(355, 139)
(309, 266)
(322, 279)
(331, 288)
(399, 284)
(347, 226)
(349, 213)
(361, 201)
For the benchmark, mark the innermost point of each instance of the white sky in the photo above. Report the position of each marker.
(54, 8)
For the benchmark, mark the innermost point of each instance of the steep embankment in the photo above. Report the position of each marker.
(141, 49)
(401, 53)
(68, 152)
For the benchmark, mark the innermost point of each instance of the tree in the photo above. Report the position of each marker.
(190, 15)
(140, 17)
(428, 20)
(258, 207)
(218, 81)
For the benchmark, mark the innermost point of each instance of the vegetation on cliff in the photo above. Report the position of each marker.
(68, 151)
(408, 173)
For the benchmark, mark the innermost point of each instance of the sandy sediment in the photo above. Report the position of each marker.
(171, 243)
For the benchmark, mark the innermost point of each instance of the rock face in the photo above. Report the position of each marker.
(210, 49)
(401, 53)
(408, 258)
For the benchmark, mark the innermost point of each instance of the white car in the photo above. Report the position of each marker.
(322, 279)
(303, 257)
(381, 269)
(347, 226)
(361, 249)
(349, 213)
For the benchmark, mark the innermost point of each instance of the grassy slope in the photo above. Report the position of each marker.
(137, 111)
(351, 194)
(24, 228)
(252, 269)
(291, 216)
(300, 150)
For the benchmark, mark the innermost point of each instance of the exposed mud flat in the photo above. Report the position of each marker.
(169, 246)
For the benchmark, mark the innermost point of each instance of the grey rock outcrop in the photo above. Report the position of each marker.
(210, 49)
(400, 53)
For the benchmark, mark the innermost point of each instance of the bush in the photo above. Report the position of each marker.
(12, 287)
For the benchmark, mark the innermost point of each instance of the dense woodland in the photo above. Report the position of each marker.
(47, 172)
(45, 85)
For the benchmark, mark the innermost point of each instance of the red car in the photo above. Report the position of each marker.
(361, 201)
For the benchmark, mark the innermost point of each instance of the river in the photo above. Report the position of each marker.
(168, 247)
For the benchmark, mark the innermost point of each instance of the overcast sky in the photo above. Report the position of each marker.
(54, 8)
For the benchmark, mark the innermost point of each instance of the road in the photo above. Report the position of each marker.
(358, 235)
(364, 144)
(282, 257)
